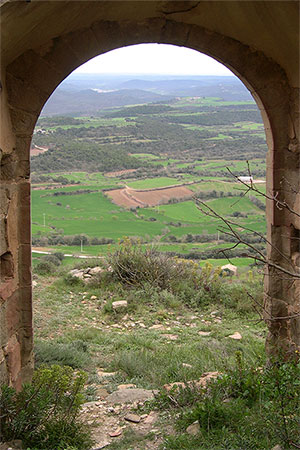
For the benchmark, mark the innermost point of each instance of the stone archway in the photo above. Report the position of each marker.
(30, 76)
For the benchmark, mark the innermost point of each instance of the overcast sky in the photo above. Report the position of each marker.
(154, 59)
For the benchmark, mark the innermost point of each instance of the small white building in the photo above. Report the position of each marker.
(246, 179)
(229, 269)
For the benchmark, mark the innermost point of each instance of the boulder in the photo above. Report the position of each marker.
(120, 304)
(96, 270)
(130, 396)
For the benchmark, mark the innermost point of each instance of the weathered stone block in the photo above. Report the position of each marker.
(22, 148)
(33, 69)
(13, 316)
(109, 35)
(60, 57)
(6, 266)
(3, 236)
(83, 44)
(22, 122)
(25, 265)
(13, 356)
(174, 32)
(4, 200)
(22, 95)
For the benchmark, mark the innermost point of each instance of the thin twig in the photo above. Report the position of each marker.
(279, 203)
(261, 257)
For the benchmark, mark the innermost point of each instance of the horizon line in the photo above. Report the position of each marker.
(154, 74)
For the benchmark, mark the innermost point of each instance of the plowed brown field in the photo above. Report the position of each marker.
(151, 197)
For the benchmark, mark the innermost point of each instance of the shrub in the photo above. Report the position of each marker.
(45, 268)
(59, 255)
(245, 408)
(70, 280)
(52, 259)
(74, 354)
(44, 415)
(135, 266)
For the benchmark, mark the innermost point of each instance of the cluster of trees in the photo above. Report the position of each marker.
(40, 240)
(205, 195)
(133, 111)
(35, 178)
(219, 254)
(152, 129)
(203, 238)
(77, 192)
(87, 156)
(58, 121)
(257, 202)
(220, 117)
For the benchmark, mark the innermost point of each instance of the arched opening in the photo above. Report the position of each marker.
(128, 138)
(31, 77)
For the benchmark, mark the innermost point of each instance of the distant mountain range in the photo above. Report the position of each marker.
(78, 93)
(90, 101)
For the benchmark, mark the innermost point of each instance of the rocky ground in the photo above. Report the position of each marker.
(112, 415)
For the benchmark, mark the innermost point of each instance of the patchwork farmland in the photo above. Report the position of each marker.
(136, 171)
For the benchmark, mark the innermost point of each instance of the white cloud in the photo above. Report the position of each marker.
(154, 59)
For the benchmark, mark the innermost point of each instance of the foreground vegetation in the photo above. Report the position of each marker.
(179, 322)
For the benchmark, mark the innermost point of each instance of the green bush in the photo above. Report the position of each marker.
(70, 280)
(59, 255)
(246, 408)
(52, 259)
(74, 354)
(136, 266)
(44, 415)
(45, 268)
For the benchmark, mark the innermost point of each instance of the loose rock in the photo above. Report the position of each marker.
(156, 327)
(120, 304)
(132, 418)
(188, 366)
(103, 374)
(170, 337)
(237, 336)
(116, 433)
(204, 333)
(193, 429)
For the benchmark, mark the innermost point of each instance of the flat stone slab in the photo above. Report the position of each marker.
(130, 395)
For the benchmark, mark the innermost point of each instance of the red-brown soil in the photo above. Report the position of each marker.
(37, 151)
(151, 197)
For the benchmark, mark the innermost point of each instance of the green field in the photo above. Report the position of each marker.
(169, 154)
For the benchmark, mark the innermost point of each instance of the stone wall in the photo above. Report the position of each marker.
(43, 42)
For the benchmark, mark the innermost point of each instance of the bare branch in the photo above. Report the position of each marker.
(251, 187)
(259, 256)
(272, 318)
